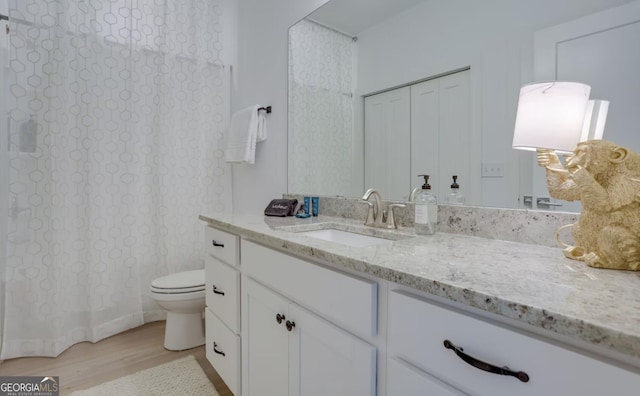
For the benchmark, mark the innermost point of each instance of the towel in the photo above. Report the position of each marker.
(248, 126)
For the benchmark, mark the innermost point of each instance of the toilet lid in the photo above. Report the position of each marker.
(180, 281)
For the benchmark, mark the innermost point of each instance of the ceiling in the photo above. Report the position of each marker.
(353, 16)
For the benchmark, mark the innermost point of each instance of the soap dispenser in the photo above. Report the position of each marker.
(426, 210)
(455, 197)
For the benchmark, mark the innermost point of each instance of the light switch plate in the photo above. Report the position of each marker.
(493, 169)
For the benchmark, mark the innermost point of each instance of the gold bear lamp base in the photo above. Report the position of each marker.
(606, 179)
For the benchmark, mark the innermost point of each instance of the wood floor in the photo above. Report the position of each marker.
(85, 365)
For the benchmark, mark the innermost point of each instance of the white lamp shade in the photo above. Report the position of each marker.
(551, 116)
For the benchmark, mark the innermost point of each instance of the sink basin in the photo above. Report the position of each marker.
(344, 237)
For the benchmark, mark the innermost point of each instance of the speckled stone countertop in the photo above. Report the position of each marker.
(532, 284)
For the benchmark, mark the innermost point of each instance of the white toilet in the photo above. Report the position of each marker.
(183, 296)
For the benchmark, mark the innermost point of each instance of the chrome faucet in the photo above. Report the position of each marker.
(376, 215)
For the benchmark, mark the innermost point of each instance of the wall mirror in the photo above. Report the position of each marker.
(381, 91)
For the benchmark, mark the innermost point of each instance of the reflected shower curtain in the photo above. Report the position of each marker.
(321, 68)
(116, 111)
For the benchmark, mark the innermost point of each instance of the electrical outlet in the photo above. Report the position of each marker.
(493, 169)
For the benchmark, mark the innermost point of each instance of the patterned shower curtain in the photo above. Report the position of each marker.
(116, 112)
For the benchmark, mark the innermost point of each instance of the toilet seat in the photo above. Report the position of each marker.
(180, 283)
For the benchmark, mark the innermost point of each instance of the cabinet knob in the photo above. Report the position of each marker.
(216, 350)
(216, 291)
(479, 364)
(279, 318)
(290, 325)
(216, 243)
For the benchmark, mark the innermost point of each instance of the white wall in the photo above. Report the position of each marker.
(260, 76)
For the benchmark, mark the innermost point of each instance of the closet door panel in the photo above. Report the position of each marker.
(387, 143)
(454, 136)
(440, 131)
(425, 126)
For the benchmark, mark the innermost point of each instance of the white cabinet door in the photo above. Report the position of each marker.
(301, 356)
(387, 143)
(406, 380)
(326, 360)
(264, 342)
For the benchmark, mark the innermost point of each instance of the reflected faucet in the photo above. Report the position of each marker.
(412, 196)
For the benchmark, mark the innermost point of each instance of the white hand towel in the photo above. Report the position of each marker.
(248, 126)
(262, 126)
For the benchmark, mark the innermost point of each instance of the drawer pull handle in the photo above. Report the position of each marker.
(521, 375)
(216, 291)
(290, 325)
(215, 346)
(216, 243)
(279, 318)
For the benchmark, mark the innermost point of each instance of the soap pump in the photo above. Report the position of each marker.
(455, 197)
(426, 210)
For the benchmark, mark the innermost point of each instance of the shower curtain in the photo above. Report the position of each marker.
(115, 125)
(321, 70)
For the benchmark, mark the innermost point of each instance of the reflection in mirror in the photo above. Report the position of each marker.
(331, 76)
(320, 109)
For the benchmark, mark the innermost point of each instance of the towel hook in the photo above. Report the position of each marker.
(267, 109)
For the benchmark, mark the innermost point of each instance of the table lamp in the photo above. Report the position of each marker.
(557, 117)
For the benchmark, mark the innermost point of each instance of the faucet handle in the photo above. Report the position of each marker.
(370, 214)
(391, 218)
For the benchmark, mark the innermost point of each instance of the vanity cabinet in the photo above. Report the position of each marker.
(284, 324)
(222, 315)
(421, 340)
(291, 350)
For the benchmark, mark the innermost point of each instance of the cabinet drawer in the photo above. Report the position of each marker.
(406, 380)
(221, 245)
(347, 301)
(223, 351)
(418, 329)
(223, 292)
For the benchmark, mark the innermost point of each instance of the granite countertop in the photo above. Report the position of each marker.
(532, 284)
